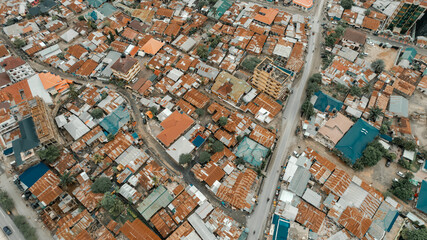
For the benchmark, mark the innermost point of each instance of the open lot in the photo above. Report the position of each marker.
(418, 116)
(387, 54)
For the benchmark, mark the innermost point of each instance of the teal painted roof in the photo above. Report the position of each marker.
(251, 152)
(355, 140)
(158, 199)
(107, 9)
(117, 119)
(409, 54)
(325, 102)
(422, 198)
(27, 141)
(96, 3)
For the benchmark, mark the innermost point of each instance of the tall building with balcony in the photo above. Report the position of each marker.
(16, 68)
(406, 15)
(126, 68)
(271, 79)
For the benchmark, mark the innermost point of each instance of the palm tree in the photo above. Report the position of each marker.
(97, 158)
(374, 113)
(72, 93)
(66, 179)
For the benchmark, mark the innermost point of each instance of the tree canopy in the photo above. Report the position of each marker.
(217, 146)
(26, 229)
(101, 185)
(355, 91)
(346, 4)
(50, 154)
(66, 179)
(414, 234)
(97, 113)
(200, 112)
(403, 188)
(374, 113)
(6, 202)
(203, 52)
(378, 65)
(404, 143)
(185, 158)
(19, 43)
(204, 157)
(223, 121)
(307, 109)
(250, 63)
(112, 204)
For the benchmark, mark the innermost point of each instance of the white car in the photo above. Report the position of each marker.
(400, 174)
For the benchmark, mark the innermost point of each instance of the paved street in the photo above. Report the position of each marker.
(257, 220)
(5, 220)
(21, 207)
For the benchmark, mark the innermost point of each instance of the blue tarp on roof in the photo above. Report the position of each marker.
(117, 119)
(422, 198)
(325, 102)
(281, 228)
(355, 140)
(33, 174)
(27, 141)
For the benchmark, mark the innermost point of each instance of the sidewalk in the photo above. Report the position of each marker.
(7, 185)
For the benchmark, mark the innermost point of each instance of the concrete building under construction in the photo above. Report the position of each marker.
(271, 79)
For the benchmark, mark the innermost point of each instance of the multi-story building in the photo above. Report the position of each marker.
(17, 69)
(126, 68)
(406, 15)
(271, 79)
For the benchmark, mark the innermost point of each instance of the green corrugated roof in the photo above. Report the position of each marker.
(158, 199)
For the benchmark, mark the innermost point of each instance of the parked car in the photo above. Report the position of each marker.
(387, 164)
(395, 180)
(400, 174)
(7, 230)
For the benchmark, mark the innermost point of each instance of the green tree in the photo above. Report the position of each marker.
(307, 109)
(200, 112)
(112, 204)
(374, 113)
(414, 234)
(367, 12)
(61, 55)
(66, 179)
(97, 158)
(19, 43)
(312, 88)
(153, 110)
(404, 143)
(6, 202)
(72, 92)
(26, 229)
(111, 36)
(378, 65)
(383, 129)
(371, 156)
(81, 18)
(316, 78)
(214, 41)
(346, 4)
(223, 121)
(101, 185)
(204, 157)
(402, 189)
(49, 154)
(250, 63)
(203, 52)
(185, 158)
(355, 91)
(217, 146)
(97, 113)
(239, 161)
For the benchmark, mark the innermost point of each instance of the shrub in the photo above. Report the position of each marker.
(97, 113)
(250, 63)
(26, 229)
(50, 154)
(101, 185)
(217, 146)
(6, 202)
(185, 158)
(204, 157)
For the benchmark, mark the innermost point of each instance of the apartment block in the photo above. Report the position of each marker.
(271, 79)
(126, 68)
(17, 69)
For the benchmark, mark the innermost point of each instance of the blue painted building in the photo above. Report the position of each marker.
(326, 103)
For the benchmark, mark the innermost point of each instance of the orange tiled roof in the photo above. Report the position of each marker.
(152, 46)
(266, 15)
(371, 23)
(77, 51)
(17, 92)
(173, 127)
(163, 222)
(87, 68)
(210, 173)
(338, 182)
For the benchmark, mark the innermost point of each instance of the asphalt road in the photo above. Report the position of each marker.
(5, 220)
(257, 220)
